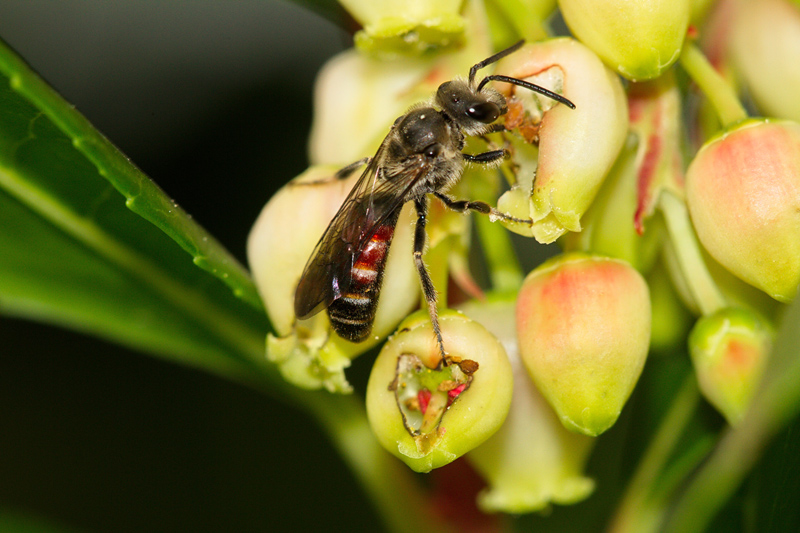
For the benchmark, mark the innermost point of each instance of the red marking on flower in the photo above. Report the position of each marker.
(636, 107)
(692, 32)
(644, 181)
(423, 398)
(452, 394)
(739, 356)
(461, 287)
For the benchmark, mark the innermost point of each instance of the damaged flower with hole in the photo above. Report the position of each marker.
(428, 413)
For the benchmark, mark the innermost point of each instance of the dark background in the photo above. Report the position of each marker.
(201, 95)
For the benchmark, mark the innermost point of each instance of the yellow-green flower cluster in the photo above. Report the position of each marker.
(662, 216)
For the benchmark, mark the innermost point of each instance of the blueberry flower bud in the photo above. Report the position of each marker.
(764, 46)
(428, 414)
(308, 353)
(743, 194)
(639, 39)
(577, 146)
(532, 460)
(583, 324)
(729, 349)
(406, 27)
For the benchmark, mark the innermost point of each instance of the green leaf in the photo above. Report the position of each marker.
(88, 241)
(11, 520)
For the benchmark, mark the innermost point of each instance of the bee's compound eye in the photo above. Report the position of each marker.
(432, 150)
(486, 112)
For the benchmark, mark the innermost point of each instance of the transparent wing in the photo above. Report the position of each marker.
(369, 204)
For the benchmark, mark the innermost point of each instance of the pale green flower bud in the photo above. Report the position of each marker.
(532, 460)
(308, 353)
(427, 414)
(406, 27)
(729, 350)
(743, 193)
(583, 324)
(577, 147)
(356, 99)
(765, 46)
(640, 39)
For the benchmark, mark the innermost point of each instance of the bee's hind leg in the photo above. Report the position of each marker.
(428, 290)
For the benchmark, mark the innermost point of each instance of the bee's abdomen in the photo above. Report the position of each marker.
(353, 312)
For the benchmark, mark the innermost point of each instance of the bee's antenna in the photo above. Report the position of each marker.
(489, 60)
(528, 85)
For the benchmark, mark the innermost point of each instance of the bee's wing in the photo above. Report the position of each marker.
(371, 201)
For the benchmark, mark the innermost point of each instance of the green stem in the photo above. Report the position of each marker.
(687, 248)
(775, 404)
(639, 512)
(505, 272)
(714, 86)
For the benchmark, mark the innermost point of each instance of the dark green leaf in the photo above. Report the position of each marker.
(89, 241)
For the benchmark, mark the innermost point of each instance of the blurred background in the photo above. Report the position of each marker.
(213, 101)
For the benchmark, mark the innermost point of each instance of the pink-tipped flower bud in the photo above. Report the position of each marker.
(309, 354)
(577, 146)
(743, 193)
(729, 349)
(639, 39)
(765, 46)
(428, 414)
(583, 324)
(532, 461)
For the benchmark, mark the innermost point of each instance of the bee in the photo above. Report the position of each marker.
(421, 155)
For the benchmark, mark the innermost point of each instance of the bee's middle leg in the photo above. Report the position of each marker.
(462, 206)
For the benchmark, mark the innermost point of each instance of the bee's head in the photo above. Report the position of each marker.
(470, 108)
(475, 106)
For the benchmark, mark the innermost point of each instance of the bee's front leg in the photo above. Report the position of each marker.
(487, 158)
